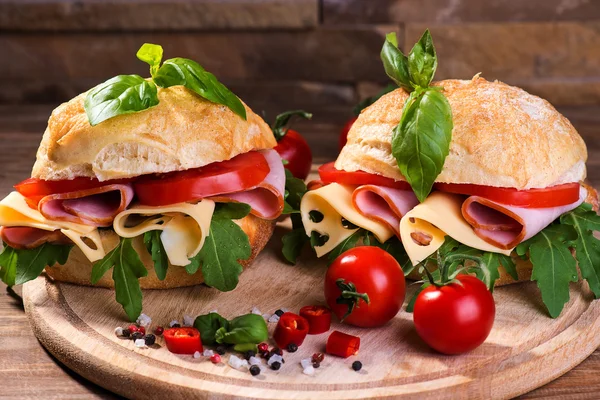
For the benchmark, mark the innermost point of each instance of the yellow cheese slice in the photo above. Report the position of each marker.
(14, 211)
(439, 215)
(184, 227)
(334, 201)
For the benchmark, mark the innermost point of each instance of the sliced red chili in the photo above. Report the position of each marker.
(291, 328)
(342, 345)
(183, 340)
(318, 317)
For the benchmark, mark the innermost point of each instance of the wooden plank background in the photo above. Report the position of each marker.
(319, 55)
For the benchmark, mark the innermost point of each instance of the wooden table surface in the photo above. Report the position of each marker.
(28, 371)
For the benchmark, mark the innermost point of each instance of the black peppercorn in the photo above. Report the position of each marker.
(176, 326)
(279, 313)
(150, 339)
(356, 365)
(126, 332)
(316, 365)
(137, 335)
(255, 370)
(277, 350)
(292, 347)
(249, 353)
(221, 349)
(275, 366)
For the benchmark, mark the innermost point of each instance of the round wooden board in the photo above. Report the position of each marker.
(525, 350)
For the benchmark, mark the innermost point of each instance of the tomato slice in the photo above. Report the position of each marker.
(291, 328)
(554, 196)
(330, 174)
(34, 189)
(318, 317)
(342, 345)
(242, 172)
(183, 340)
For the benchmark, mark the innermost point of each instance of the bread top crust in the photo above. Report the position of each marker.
(183, 131)
(502, 136)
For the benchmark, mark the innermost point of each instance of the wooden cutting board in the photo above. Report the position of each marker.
(525, 350)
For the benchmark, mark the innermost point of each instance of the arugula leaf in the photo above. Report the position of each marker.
(157, 251)
(282, 120)
(553, 265)
(8, 265)
(422, 61)
(127, 269)
(585, 221)
(295, 189)
(182, 71)
(421, 141)
(293, 243)
(231, 210)
(152, 55)
(123, 94)
(225, 245)
(347, 244)
(395, 63)
(396, 250)
(410, 307)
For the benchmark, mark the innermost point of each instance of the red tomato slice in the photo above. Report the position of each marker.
(34, 189)
(242, 172)
(330, 174)
(554, 196)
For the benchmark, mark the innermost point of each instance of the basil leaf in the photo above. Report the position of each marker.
(249, 328)
(181, 71)
(422, 61)
(8, 265)
(395, 63)
(123, 94)
(157, 251)
(231, 210)
(225, 245)
(208, 325)
(421, 141)
(152, 55)
(293, 243)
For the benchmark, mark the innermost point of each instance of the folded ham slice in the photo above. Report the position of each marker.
(19, 237)
(506, 226)
(384, 204)
(266, 199)
(94, 207)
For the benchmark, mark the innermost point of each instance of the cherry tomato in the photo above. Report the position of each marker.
(242, 172)
(455, 318)
(345, 130)
(330, 174)
(293, 148)
(34, 189)
(183, 340)
(554, 196)
(371, 274)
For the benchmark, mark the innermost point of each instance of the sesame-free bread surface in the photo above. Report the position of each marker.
(183, 131)
(502, 136)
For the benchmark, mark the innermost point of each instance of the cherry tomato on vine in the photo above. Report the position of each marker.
(456, 317)
(291, 146)
(365, 286)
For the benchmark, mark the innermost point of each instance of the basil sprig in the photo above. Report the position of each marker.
(125, 94)
(421, 141)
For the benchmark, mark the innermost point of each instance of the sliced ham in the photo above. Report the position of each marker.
(19, 237)
(506, 226)
(95, 207)
(266, 199)
(384, 204)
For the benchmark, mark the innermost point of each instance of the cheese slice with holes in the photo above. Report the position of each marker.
(184, 227)
(439, 215)
(14, 211)
(334, 201)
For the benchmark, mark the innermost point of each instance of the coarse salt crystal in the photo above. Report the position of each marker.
(197, 354)
(275, 357)
(119, 331)
(173, 323)
(237, 363)
(208, 353)
(266, 316)
(274, 318)
(306, 363)
(187, 320)
(310, 370)
(212, 312)
(144, 320)
(255, 361)
(256, 311)
(140, 343)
